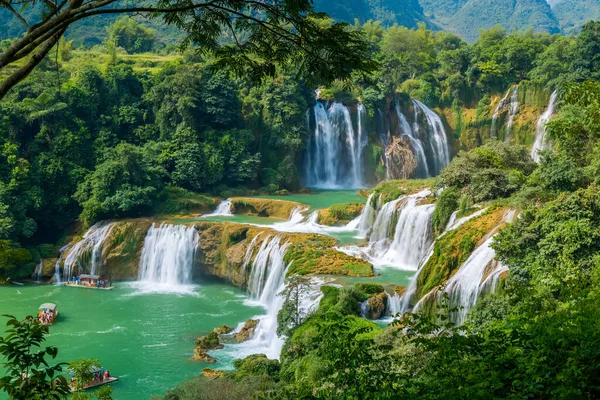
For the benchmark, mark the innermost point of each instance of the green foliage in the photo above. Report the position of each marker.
(292, 314)
(28, 374)
(488, 172)
(446, 204)
(123, 184)
(256, 365)
(82, 370)
(132, 36)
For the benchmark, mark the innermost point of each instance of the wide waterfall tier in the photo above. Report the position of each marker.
(86, 255)
(401, 233)
(541, 142)
(334, 156)
(168, 258)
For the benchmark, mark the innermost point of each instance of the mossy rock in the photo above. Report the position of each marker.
(122, 249)
(391, 190)
(340, 214)
(264, 207)
(211, 373)
(223, 330)
(377, 305)
(48, 267)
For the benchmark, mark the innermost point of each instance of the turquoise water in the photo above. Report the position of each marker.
(144, 339)
(321, 198)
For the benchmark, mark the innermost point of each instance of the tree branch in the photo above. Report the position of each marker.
(15, 13)
(33, 61)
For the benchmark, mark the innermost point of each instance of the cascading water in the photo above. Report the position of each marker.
(334, 154)
(417, 145)
(404, 244)
(367, 217)
(38, 271)
(436, 137)
(77, 260)
(57, 276)
(384, 134)
(267, 279)
(223, 209)
(464, 286)
(500, 107)
(512, 111)
(540, 135)
(168, 258)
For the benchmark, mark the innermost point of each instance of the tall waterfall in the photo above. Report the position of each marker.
(86, 255)
(267, 279)
(512, 111)
(499, 107)
(223, 209)
(384, 134)
(334, 158)
(436, 137)
(168, 258)
(417, 146)
(540, 134)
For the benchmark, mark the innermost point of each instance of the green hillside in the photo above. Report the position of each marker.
(572, 14)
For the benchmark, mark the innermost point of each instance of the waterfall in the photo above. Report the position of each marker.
(362, 144)
(384, 133)
(437, 138)
(401, 234)
(417, 145)
(367, 217)
(412, 234)
(92, 241)
(464, 286)
(512, 111)
(501, 105)
(267, 279)
(223, 210)
(168, 258)
(298, 223)
(57, 276)
(395, 304)
(334, 155)
(540, 134)
(38, 271)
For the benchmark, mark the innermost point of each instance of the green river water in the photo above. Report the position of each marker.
(144, 339)
(147, 339)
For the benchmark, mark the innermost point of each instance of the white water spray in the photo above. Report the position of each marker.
(436, 137)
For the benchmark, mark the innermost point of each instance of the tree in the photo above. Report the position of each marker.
(29, 376)
(277, 33)
(292, 314)
(83, 371)
(132, 36)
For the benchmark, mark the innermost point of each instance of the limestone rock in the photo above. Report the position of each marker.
(402, 162)
(223, 330)
(247, 331)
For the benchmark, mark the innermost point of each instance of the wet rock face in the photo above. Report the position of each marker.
(204, 344)
(402, 162)
(376, 305)
(264, 207)
(247, 331)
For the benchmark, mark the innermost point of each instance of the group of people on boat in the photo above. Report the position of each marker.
(46, 316)
(90, 281)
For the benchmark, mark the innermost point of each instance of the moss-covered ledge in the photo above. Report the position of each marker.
(264, 207)
(340, 214)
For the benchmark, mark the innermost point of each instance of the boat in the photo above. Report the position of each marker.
(47, 313)
(90, 282)
(99, 380)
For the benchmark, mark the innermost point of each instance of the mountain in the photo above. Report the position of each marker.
(572, 14)
(467, 17)
(406, 12)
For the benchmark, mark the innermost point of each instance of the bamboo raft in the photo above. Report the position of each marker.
(96, 384)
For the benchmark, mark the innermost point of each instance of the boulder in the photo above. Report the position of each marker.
(211, 373)
(223, 330)
(247, 330)
(376, 305)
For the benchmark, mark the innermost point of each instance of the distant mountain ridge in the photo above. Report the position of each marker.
(463, 17)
